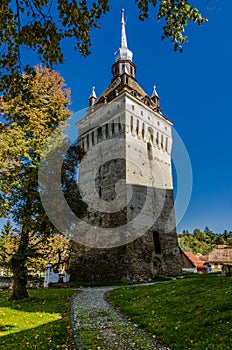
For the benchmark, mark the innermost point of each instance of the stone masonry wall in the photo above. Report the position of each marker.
(140, 150)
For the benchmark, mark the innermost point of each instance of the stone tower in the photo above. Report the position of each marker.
(128, 140)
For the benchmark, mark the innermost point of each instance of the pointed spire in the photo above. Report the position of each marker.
(123, 52)
(123, 34)
(92, 97)
(93, 94)
(155, 97)
(154, 93)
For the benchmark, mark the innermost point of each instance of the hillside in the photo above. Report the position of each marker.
(203, 241)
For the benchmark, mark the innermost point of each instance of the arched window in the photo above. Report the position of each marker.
(149, 151)
(119, 125)
(99, 134)
(113, 128)
(137, 127)
(93, 138)
(150, 130)
(157, 139)
(156, 240)
(131, 123)
(166, 145)
(87, 141)
(106, 131)
(162, 141)
(134, 93)
(143, 131)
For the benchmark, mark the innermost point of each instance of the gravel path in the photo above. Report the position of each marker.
(97, 325)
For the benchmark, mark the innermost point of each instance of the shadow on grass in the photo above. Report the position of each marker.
(42, 322)
(6, 327)
(41, 300)
(51, 335)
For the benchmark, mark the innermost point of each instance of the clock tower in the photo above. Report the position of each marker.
(128, 141)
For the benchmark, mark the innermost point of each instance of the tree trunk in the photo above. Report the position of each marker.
(19, 278)
(18, 264)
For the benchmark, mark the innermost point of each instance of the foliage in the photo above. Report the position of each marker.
(40, 323)
(42, 25)
(7, 230)
(30, 117)
(203, 242)
(191, 313)
(55, 250)
(8, 244)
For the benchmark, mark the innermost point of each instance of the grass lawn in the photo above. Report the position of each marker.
(39, 323)
(191, 313)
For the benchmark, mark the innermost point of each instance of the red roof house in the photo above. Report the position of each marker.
(189, 260)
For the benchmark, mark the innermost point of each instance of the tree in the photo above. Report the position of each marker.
(226, 234)
(200, 236)
(42, 25)
(30, 117)
(7, 230)
(8, 244)
(56, 250)
(207, 231)
(220, 239)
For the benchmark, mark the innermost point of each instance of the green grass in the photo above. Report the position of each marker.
(191, 313)
(39, 323)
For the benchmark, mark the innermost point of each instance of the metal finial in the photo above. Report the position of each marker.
(123, 52)
(154, 93)
(93, 94)
(123, 35)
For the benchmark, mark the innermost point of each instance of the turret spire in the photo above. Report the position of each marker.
(123, 52)
(154, 93)
(93, 94)
(123, 34)
(155, 97)
(92, 97)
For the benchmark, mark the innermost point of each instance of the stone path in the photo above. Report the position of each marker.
(97, 325)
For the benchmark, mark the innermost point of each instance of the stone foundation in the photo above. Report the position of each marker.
(155, 253)
(135, 261)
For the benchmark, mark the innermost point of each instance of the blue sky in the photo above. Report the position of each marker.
(195, 88)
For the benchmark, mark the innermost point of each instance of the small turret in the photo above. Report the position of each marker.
(92, 97)
(155, 97)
